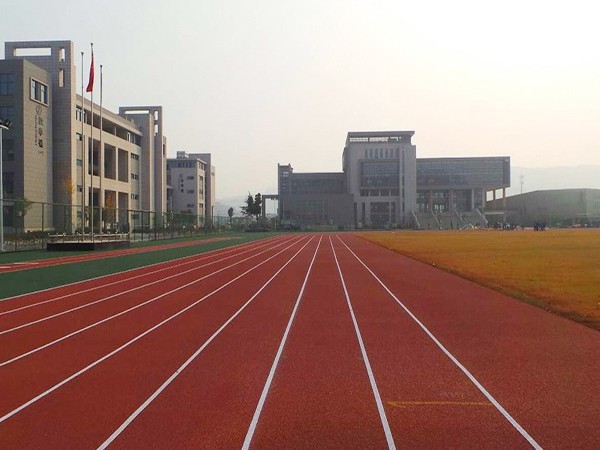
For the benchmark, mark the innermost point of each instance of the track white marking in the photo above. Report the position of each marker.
(470, 376)
(189, 260)
(384, 422)
(106, 319)
(169, 380)
(131, 341)
(267, 386)
(118, 294)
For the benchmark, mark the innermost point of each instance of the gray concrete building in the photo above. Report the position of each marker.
(314, 200)
(59, 152)
(555, 208)
(26, 98)
(186, 178)
(380, 173)
(209, 185)
(385, 185)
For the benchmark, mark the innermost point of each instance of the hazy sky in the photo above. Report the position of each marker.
(261, 82)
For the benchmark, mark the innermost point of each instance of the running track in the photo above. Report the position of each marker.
(302, 341)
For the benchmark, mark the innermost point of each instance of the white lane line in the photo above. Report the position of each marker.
(135, 339)
(106, 319)
(169, 380)
(470, 376)
(363, 351)
(131, 270)
(118, 294)
(265, 391)
(190, 260)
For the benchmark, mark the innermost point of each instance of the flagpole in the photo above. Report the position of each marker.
(101, 157)
(82, 155)
(92, 151)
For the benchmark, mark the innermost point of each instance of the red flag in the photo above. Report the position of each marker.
(90, 86)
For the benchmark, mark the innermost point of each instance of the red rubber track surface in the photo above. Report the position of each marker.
(542, 369)
(13, 267)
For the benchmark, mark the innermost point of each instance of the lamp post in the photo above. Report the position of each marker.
(4, 125)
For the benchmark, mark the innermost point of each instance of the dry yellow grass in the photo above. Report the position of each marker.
(555, 269)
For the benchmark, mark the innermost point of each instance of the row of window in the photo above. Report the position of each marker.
(381, 153)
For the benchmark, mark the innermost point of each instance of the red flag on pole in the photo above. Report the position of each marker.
(90, 86)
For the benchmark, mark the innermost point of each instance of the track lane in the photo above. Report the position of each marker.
(38, 372)
(429, 401)
(540, 367)
(22, 318)
(211, 401)
(321, 396)
(28, 338)
(32, 299)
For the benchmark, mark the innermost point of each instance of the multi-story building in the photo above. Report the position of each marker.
(380, 172)
(186, 177)
(384, 184)
(59, 152)
(315, 199)
(27, 147)
(209, 185)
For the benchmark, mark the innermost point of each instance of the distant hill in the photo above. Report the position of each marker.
(536, 179)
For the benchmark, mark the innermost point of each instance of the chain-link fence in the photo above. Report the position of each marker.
(28, 225)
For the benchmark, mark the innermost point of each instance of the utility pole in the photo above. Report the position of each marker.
(4, 125)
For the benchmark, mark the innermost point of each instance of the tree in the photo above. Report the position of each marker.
(249, 206)
(257, 205)
(230, 213)
(22, 206)
(253, 206)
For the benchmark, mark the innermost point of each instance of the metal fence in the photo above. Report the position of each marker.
(28, 225)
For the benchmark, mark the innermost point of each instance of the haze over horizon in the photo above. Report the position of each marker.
(261, 83)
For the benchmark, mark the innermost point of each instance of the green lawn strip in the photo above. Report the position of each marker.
(31, 280)
(35, 255)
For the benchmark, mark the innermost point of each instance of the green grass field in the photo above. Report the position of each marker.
(31, 280)
(558, 270)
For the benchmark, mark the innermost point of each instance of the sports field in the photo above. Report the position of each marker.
(558, 270)
(291, 341)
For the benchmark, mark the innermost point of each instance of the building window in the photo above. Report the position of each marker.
(135, 157)
(134, 176)
(61, 77)
(134, 196)
(79, 188)
(62, 54)
(39, 91)
(190, 177)
(190, 205)
(190, 191)
(79, 162)
(7, 84)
